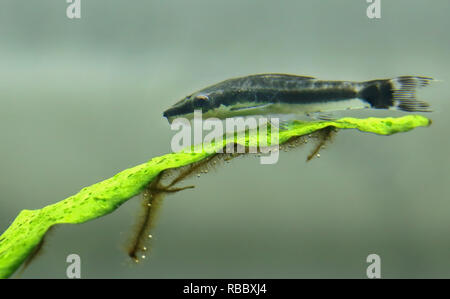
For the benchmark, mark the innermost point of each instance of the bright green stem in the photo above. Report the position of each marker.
(30, 226)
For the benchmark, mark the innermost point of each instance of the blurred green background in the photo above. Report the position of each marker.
(82, 99)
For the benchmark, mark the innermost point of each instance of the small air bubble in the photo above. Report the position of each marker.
(150, 236)
(143, 256)
(144, 248)
(318, 155)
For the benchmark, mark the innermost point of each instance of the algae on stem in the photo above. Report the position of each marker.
(30, 226)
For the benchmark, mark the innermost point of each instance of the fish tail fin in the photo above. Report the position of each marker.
(397, 93)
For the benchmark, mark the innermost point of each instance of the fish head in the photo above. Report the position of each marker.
(185, 108)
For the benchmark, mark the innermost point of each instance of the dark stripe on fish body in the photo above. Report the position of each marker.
(279, 88)
(295, 96)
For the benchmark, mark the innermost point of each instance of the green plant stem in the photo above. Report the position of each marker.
(102, 198)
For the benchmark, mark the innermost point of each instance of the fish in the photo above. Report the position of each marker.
(286, 94)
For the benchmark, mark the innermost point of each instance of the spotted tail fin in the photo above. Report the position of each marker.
(397, 93)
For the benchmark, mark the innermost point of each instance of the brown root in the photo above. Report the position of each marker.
(324, 136)
(166, 181)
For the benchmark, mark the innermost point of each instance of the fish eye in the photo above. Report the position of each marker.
(201, 97)
(200, 100)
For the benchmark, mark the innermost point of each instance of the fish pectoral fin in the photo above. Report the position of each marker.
(284, 125)
(281, 124)
(327, 116)
(249, 107)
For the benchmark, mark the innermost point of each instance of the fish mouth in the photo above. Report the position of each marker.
(171, 114)
(167, 115)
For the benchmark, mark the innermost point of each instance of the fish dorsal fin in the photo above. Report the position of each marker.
(300, 77)
(307, 77)
(285, 75)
